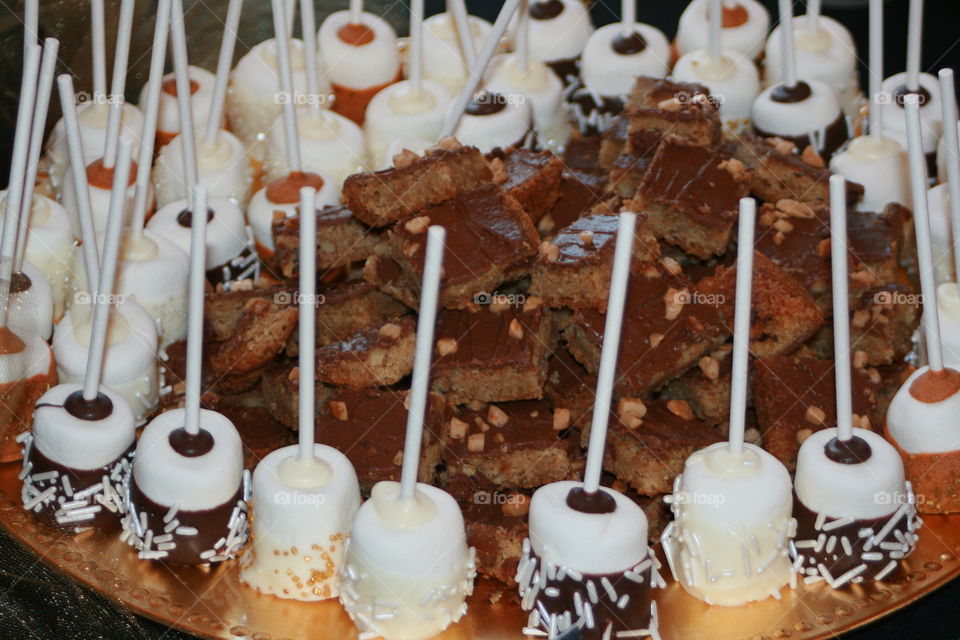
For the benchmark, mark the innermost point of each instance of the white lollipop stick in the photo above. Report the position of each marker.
(478, 67)
(75, 149)
(523, 36)
(44, 87)
(356, 8)
(914, 43)
(98, 39)
(628, 15)
(458, 9)
(224, 62)
(875, 72)
(31, 24)
(741, 324)
(198, 253)
(786, 43)
(416, 45)
(182, 73)
(608, 353)
(309, 27)
(308, 316)
(18, 165)
(118, 84)
(841, 305)
(949, 108)
(714, 38)
(150, 105)
(286, 86)
(429, 294)
(108, 269)
(813, 15)
(918, 184)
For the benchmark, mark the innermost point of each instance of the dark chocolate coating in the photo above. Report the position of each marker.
(852, 451)
(185, 217)
(19, 282)
(630, 44)
(900, 92)
(788, 95)
(831, 137)
(545, 9)
(597, 502)
(79, 407)
(486, 103)
(191, 445)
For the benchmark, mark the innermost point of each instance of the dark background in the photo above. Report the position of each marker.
(37, 603)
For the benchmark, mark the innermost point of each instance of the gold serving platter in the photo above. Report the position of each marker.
(212, 603)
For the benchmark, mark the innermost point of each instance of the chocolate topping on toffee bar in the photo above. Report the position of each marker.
(484, 338)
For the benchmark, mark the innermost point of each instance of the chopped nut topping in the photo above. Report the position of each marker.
(862, 276)
(783, 225)
(671, 265)
(391, 330)
(411, 249)
(476, 442)
(448, 144)
(476, 405)
(803, 434)
(632, 406)
(794, 208)
(783, 146)
(404, 159)
(549, 251)
(823, 248)
(630, 420)
(812, 158)
(417, 225)
(294, 375)
(860, 318)
(778, 238)
(498, 170)
(532, 303)
(446, 346)
(859, 359)
(752, 435)
(458, 429)
(499, 438)
(338, 410)
(650, 270)
(766, 219)
(546, 224)
(586, 237)
(670, 104)
(680, 408)
(732, 166)
(516, 506)
(873, 374)
(515, 330)
(497, 416)
(655, 340)
(710, 367)
(398, 459)
(673, 301)
(481, 424)
(561, 419)
(815, 415)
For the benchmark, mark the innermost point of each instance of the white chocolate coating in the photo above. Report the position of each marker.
(195, 484)
(407, 576)
(815, 113)
(948, 307)
(364, 66)
(261, 211)
(542, 88)
(728, 542)
(924, 427)
(608, 73)
(746, 39)
(34, 360)
(223, 168)
(82, 444)
(299, 533)
(828, 54)
(942, 158)
(941, 234)
(881, 165)
(226, 232)
(733, 81)
(894, 122)
(168, 110)
(254, 99)
(503, 129)
(329, 143)
(130, 357)
(93, 136)
(31, 311)
(397, 112)
(443, 58)
(99, 202)
(870, 489)
(562, 37)
(588, 543)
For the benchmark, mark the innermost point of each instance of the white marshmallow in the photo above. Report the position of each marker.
(130, 357)
(443, 58)
(35, 359)
(941, 234)
(863, 491)
(542, 89)
(168, 109)
(407, 572)
(942, 158)
(329, 143)
(828, 54)
(397, 112)
(99, 201)
(223, 168)
(562, 37)
(948, 306)
(733, 81)
(881, 165)
(503, 129)
(364, 66)
(894, 121)
(82, 444)
(194, 484)
(811, 115)
(300, 532)
(923, 427)
(608, 73)
(732, 523)
(226, 232)
(31, 311)
(261, 211)
(746, 39)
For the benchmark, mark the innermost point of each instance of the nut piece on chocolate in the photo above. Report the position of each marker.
(512, 444)
(583, 184)
(573, 269)
(379, 355)
(497, 354)
(783, 315)
(794, 397)
(489, 240)
(341, 240)
(531, 177)
(882, 323)
(368, 426)
(706, 387)
(691, 196)
(570, 387)
(666, 108)
(669, 327)
(381, 197)
(280, 393)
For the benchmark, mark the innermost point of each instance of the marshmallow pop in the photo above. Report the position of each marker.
(446, 39)
(745, 24)
(728, 74)
(732, 522)
(558, 32)
(876, 161)
(923, 420)
(587, 562)
(187, 496)
(305, 496)
(408, 570)
(855, 512)
(360, 50)
(77, 458)
(945, 226)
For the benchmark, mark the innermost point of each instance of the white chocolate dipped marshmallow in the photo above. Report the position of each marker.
(542, 89)
(223, 168)
(282, 196)
(329, 143)
(745, 25)
(808, 113)
(493, 121)
(733, 81)
(30, 307)
(168, 111)
(300, 531)
(100, 183)
(558, 31)
(880, 164)
(399, 111)
(443, 59)
(408, 570)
